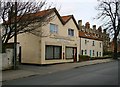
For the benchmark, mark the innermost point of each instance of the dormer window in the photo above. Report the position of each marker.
(70, 32)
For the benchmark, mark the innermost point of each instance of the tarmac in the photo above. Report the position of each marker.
(32, 70)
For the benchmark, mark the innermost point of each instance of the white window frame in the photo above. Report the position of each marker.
(70, 32)
(55, 29)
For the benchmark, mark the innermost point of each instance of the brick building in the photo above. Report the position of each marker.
(99, 33)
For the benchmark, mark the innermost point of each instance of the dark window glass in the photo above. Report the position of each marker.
(70, 32)
(93, 43)
(53, 52)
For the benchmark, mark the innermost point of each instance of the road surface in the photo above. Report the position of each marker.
(99, 74)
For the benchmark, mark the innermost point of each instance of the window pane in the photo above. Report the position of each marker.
(97, 54)
(53, 52)
(93, 52)
(57, 52)
(85, 52)
(52, 27)
(69, 52)
(56, 29)
(70, 32)
(100, 54)
(49, 52)
(82, 52)
(93, 44)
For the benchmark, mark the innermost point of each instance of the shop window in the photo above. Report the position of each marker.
(53, 52)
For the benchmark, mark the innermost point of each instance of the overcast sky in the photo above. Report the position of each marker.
(81, 9)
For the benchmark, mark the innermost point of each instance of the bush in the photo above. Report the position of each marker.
(118, 54)
(84, 57)
(94, 58)
(108, 53)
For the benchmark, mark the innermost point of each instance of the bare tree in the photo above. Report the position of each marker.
(29, 17)
(109, 11)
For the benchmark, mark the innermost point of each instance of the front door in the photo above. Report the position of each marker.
(90, 53)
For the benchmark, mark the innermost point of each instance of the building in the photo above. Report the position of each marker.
(58, 43)
(106, 41)
(90, 43)
(100, 33)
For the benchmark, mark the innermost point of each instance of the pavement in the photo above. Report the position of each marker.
(32, 70)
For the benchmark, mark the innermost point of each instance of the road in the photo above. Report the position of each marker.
(99, 74)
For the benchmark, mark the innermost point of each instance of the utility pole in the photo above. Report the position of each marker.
(15, 37)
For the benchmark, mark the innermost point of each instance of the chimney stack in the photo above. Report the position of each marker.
(94, 27)
(80, 23)
(100, 29)
(87, 25)
(105, 31)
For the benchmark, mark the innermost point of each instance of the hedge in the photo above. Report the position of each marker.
(84, 58)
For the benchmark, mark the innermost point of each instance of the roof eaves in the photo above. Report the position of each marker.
(75, 22)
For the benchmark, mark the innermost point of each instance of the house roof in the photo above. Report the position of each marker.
(45, 13)
(63, 19)
(42, 13)
(88, 36)
(66, 18)
(30, 16)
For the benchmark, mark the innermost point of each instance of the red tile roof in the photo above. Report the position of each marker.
(88, 35)
(66, 18)
(44, 13)
(63, 19)
(31, 16)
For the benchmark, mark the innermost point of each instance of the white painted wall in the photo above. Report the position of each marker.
(88, 46)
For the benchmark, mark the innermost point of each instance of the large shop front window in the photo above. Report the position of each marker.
(53, 52)
(69, 52)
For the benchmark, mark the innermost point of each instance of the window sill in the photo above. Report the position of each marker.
(53, 59)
